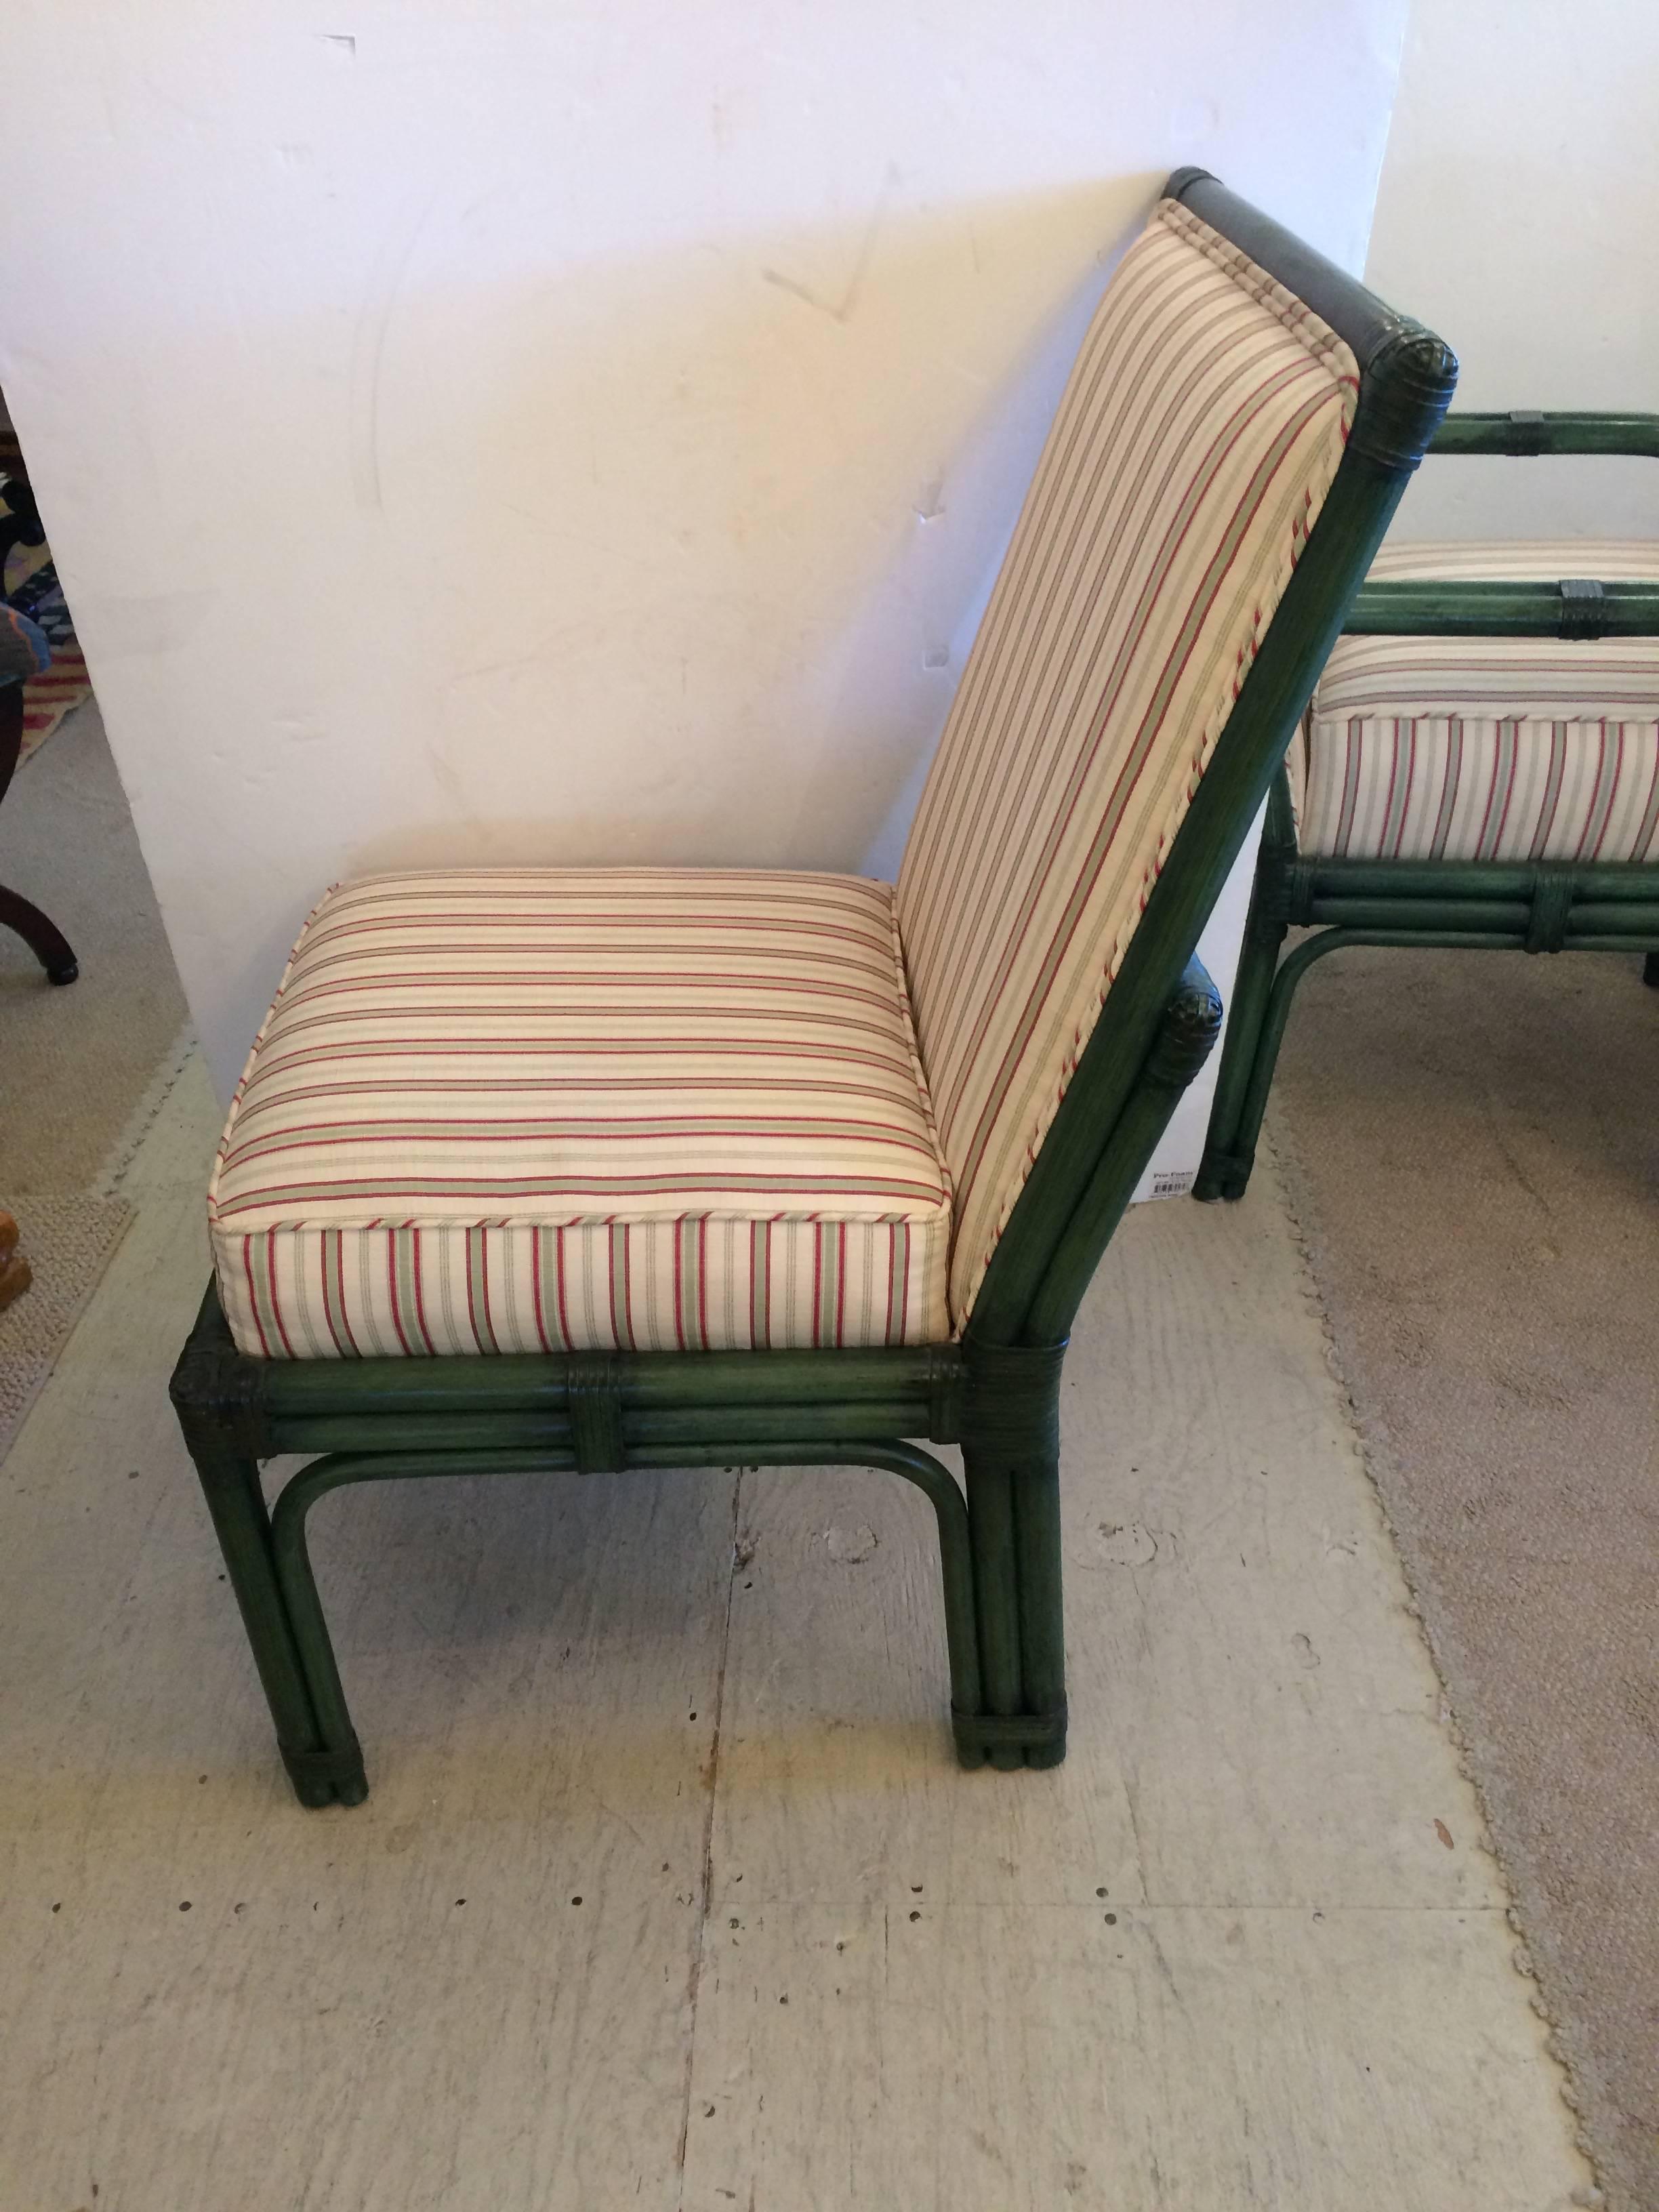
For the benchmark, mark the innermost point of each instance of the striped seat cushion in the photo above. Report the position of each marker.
(1193, 446)
(1488, 748)
(625, 1108)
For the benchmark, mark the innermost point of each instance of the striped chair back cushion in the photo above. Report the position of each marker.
(1193, 446)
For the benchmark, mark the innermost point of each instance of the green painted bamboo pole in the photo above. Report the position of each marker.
(996, 1589)
(721, 1425)
(1192, 1024)
(1490, 915)
(1449, 880)
(1591, 916)
(1467, 607)
(1264, 930)
(1523, 433)
(230, 1483)
(525, 1381)
(1042, 1610)
(731, 1424)
(1438, 927)
(304, 1604)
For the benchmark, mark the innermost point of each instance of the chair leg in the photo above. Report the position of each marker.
(43, 936)
(1229, 1144)
(1236, 1170)
(1013, 1508)
(291, 1554)
(1042, 1610)
(996, 1594)
(1650, 971)
(230, 1484)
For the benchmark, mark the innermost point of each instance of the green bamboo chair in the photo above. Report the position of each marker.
(1378, 887)
(596, 1171)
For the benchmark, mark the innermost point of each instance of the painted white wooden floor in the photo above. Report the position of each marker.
(668, 1893)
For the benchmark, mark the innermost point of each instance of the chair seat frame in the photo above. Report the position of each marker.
(1476, 906)
(995, 1393)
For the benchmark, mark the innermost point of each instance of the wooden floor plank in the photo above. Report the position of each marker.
(837, 1779)
(1029, 2058)
(1234, 1598)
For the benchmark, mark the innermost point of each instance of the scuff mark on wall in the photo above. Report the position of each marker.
(368, 355)
(843, 310)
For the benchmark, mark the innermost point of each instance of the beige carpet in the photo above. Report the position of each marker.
(69, 1241)
(76, 1062)
(1474, 1149)
(80, 1068)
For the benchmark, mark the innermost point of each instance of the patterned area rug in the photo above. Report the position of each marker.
(82, 1068)
(31, 582)
(68, 1241)
(50, 697)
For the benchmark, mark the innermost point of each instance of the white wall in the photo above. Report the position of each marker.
(498, 429)
(1518, 213)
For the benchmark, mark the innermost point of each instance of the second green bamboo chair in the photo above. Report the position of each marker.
(1479, 768)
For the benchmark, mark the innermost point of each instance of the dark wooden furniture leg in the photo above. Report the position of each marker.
(15, 1276)
(43, 938)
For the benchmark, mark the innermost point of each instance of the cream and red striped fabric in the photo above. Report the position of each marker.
(1194, 448)
(1488, 748)
(650, 1110)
